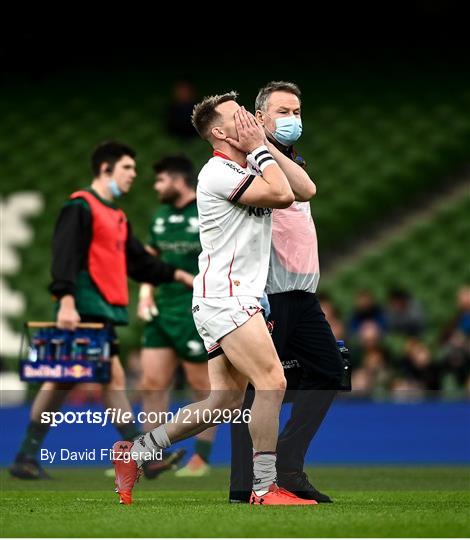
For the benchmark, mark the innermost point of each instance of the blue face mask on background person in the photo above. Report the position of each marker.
(114, 189)
(288, 130)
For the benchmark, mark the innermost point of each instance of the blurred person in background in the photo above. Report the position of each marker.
(366, 308)
(170, 337)
(403, 313)
(455, 342)
(460, 322)
(179, 113)
(370, 360)
(133, 375)
(85, 393)
(417, 373)
(91, 235)
(332, 315)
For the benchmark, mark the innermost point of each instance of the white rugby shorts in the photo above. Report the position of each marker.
(216, 317)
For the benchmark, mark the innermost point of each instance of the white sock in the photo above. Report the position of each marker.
(264, 471)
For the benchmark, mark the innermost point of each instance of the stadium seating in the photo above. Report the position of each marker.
(430, 259)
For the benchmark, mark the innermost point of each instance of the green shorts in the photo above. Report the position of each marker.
(176, 332)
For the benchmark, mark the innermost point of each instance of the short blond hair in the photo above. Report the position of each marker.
(204, 114)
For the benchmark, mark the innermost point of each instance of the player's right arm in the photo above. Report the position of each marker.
(271, 189)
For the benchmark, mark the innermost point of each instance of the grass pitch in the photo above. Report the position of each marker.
(369, 502)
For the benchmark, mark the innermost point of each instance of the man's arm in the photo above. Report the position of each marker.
(144, 268)
(153, 251)
(302, 186)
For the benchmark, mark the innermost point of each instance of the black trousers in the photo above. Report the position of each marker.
(313, 368)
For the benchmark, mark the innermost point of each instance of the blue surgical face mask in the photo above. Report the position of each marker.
(288, 130)
(114, 189)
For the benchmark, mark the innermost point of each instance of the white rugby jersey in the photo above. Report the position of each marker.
(235, 238)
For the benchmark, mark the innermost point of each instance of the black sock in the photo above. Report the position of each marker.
(203, 449)
(35, 433)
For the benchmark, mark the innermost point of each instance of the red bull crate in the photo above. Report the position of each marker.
(53, 354)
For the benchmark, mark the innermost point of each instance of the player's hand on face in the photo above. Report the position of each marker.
(261, 130)
(147, 309)
(250, 133)
(67, 317)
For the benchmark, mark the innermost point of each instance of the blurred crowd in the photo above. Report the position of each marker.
(394, 352)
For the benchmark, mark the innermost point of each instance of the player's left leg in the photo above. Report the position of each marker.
(197, 376)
